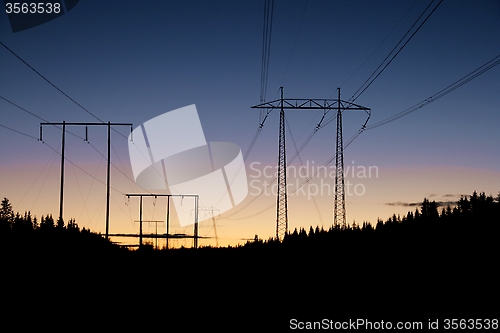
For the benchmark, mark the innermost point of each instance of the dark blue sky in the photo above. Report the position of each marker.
(130, 61)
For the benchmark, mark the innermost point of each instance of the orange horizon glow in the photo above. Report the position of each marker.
(383, 196)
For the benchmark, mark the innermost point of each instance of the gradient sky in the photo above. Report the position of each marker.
(130, 61)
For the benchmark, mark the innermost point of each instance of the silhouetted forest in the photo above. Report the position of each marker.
(20, 233)
(432, 261)
(475, 217)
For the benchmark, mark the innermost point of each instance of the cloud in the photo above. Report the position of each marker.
(418, 204)
(451, 195)
(404, 204)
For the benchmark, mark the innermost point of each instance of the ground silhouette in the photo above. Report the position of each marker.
(431, 263)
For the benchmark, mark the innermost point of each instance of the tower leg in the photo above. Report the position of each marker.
(61, 193)
(339, 219)
(282, 209)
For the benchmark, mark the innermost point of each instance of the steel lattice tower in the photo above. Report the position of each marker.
(281, 204)
(339, 219)
(309, 104)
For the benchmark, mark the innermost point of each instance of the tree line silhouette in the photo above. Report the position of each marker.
(475, 217)
(21, 232)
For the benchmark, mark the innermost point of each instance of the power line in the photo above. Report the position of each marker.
(38, 117)
(90, 189)
(266, 46)
(57, 88)
(36, 179)
(382, 42)
(369, 81)
(19, 132)
(55, 150)
(43, 183)
(113, 165)
(82, 169)
(21, 108)
(455, 85)
(49, 82)
(301, 163)
(354, 97)
(295, 42)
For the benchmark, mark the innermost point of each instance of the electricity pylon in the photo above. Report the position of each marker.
(196, 200)
(108, 173)
(309, 104)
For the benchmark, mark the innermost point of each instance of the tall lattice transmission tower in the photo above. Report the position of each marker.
(310, 104)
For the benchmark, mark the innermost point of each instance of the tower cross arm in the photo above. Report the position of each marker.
(311, 104)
